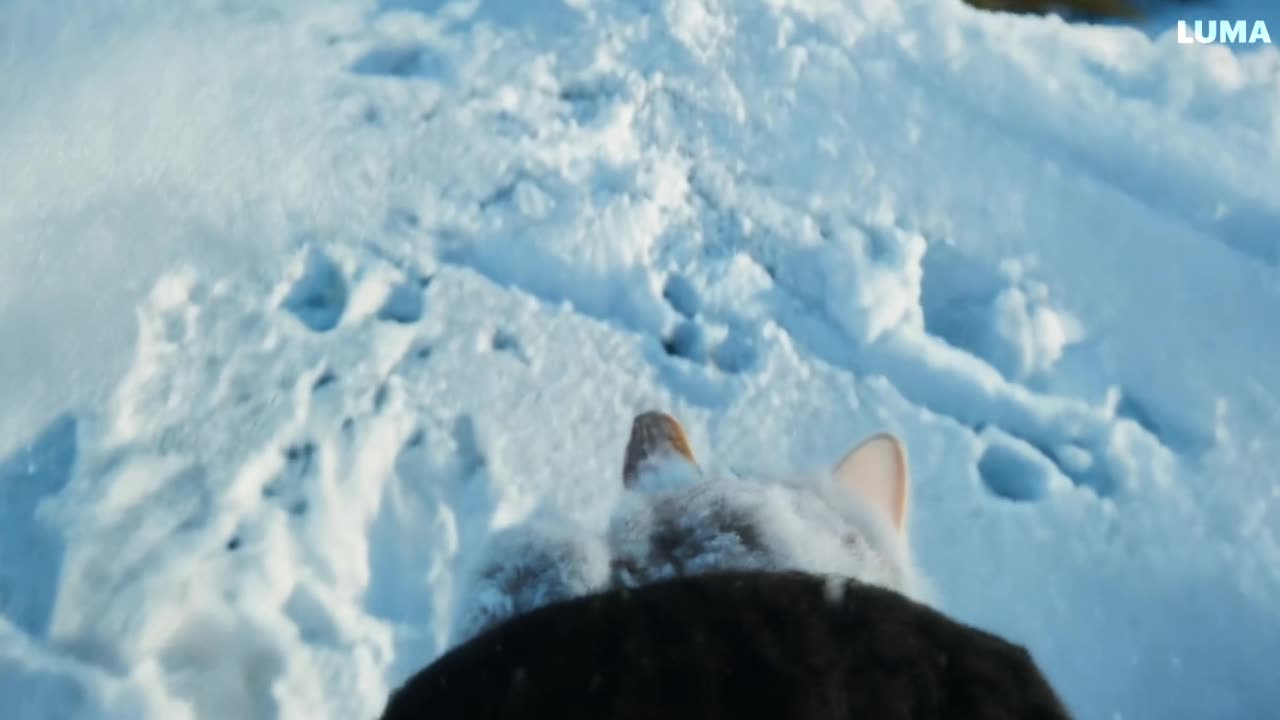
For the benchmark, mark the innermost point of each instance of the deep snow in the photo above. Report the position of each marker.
(299, 303)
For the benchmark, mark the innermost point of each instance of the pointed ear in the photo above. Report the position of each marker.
(877, 472)
(655, 436)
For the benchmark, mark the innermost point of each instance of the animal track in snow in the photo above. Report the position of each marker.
(589, 100)
(350, 285)
(318, 297)
(400, 62)
(1013, 469)
(28, 476)
(324, 380)
(403, 303)
(683, 296)
(736, 353)
(507, 342)
(291, 487)
(733, 353)
(687, 341)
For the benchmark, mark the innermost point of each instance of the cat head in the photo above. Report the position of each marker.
(875, 472)
(672, 521)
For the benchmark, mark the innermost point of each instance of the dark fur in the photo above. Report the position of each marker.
(731, 645)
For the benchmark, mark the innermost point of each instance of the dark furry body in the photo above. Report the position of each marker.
(731, 645)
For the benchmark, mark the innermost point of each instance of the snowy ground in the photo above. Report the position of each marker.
(297, 304)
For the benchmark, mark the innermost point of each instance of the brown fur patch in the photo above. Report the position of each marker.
(653, 433)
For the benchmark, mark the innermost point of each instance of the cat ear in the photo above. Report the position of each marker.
(655, 438)
(877, 472)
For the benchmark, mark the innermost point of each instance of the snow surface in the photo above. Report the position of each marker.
(299, 303)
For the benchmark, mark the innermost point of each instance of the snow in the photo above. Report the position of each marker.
(301, 304)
